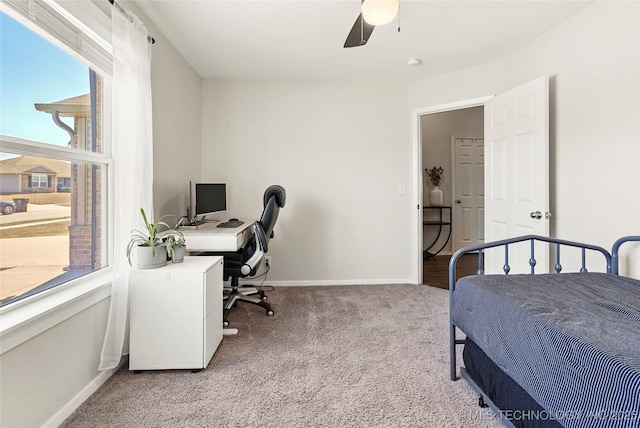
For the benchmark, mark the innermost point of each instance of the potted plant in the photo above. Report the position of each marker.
(151, 250)
(175, 243)
(435, 195)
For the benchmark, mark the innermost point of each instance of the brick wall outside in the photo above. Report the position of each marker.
(83, 190)
(80, 247)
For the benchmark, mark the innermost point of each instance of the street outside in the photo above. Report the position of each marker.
(30, 261)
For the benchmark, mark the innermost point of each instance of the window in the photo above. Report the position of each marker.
(39, 181)
(53, 161)
(63, 184)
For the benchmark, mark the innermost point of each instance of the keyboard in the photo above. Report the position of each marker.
(231, 224)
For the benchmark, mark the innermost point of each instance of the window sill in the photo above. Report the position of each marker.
(27, 318)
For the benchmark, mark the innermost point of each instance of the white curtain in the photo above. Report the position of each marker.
(133, 165)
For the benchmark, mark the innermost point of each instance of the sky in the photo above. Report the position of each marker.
(33, 70)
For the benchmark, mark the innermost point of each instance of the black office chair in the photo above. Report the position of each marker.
(246, 262)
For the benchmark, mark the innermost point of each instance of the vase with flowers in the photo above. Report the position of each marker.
(176, 246)
(435, 195)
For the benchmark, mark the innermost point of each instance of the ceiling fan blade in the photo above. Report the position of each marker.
(359, 34)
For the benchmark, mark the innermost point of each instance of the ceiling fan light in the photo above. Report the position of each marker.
(379, 12)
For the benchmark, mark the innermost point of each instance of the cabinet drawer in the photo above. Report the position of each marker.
(213, 288)
(212, 332)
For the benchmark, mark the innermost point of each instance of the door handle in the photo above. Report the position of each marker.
(458, 201)
(538, 215)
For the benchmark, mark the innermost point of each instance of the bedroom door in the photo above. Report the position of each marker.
(516, 126)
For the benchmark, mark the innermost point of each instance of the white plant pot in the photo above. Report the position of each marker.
(178, 254)
(435, 197)
(147, 260)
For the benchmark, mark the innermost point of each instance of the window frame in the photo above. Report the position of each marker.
(25, 318)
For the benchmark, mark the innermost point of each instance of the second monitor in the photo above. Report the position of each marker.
(210, 197)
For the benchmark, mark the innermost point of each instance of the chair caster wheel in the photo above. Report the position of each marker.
(270, 313)
(264, 298)
(225, 323)
(481, 402)
(262, 295)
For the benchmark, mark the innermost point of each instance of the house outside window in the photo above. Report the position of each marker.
(52, 157)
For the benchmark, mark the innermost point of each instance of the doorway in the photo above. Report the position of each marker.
(440, 123)
(517, 167)
(451, 140)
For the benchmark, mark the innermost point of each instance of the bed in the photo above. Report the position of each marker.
(550, 349)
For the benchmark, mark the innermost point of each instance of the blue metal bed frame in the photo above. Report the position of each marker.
(612, 261)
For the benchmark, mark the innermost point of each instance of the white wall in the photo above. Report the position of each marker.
(462, 85)
(592, 60)
(340, 150)
(46, 377)
(176, 127)
(43, 377)
(594, 75)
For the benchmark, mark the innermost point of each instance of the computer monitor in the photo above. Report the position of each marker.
(210, 197)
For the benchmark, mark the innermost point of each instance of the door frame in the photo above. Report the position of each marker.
(416, 137)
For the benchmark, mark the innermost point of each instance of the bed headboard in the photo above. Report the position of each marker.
(615, 252)
(557, 243)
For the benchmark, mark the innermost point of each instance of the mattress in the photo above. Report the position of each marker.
(571, 341)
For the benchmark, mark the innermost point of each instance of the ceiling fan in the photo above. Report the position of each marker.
(373, 12)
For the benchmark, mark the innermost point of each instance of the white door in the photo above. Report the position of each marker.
(468, 200)
(516, 127)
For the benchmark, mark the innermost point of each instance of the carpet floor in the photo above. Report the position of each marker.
(335, 356)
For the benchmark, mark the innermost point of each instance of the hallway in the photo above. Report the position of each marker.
(436, 269)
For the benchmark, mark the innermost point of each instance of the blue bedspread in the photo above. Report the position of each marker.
(572, 341)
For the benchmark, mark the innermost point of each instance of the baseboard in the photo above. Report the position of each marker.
(339, 282)
(66, 411)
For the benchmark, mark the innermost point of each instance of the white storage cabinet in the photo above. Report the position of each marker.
(175, 314)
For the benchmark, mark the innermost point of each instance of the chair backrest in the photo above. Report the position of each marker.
(274, 198)
(258, 245)
(260, 248)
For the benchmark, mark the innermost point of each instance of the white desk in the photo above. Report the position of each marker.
(210, 237)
